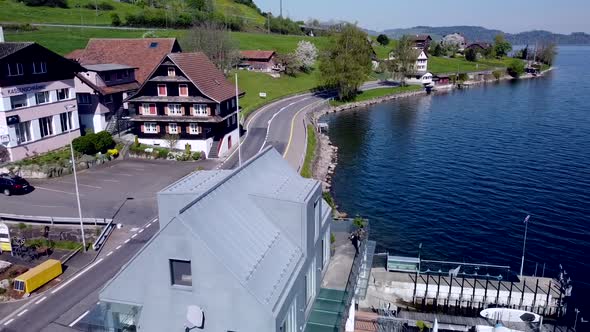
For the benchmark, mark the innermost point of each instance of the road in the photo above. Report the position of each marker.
(278, 124)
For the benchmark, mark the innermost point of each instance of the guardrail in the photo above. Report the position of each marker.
(104, 235)
(55, 220)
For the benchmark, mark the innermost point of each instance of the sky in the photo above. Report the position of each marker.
(561, 16)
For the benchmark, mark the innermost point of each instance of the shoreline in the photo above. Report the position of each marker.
(325, 158)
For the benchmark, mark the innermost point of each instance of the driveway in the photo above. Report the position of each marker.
(103, 191)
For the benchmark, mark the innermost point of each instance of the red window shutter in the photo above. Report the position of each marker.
(166, 110)
(153, 109)
(142, 129)
(167, 128)
(188, 128)
(161, 90)
(182, 110)
(209, 110)
(157, 128)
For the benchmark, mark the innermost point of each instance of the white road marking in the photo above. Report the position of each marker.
(110, 253)
(108, 180)
(134, 235)
(22, 312)
(126, 241)
(122, 174)
(141, 230)
(9, 321)
(118, 247)
(80, 184)
(148, 225)
(79, 318)
(57, 191)
(41, 300)
(77, 276)
(134, 229)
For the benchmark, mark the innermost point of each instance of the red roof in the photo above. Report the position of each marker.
(142, 53)
(257, 55)
(75, 54)
(202, 72)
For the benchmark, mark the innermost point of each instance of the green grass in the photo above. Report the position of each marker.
(249, 14)
(62, 244)
(275, 88)
(437, 65)
(376, 93)
(279, 43)
(16, 12)
(56, 157)
(306, 171)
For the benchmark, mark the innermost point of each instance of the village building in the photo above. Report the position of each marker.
(187, 96)
(479, 47)
(264, 61)
(253, 265)
(421, 41)
(115, 69)
(37, 100)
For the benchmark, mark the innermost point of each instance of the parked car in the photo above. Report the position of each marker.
(11, 184)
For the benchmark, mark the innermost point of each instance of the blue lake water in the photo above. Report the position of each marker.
(460, 171)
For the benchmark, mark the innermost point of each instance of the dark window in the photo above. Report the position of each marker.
(180, 272)
(18, 101)
(153, 45)
(63, 94)
(46, 126)
(83, 98)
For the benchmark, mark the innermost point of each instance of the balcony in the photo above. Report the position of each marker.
(346, 271)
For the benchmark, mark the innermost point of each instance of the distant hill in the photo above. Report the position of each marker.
(475, 33)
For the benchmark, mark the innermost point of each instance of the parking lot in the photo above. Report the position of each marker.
(104, 190)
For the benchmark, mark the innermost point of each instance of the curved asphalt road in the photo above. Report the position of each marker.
(278, 124)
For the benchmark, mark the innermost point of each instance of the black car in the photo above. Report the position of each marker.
(11, 184)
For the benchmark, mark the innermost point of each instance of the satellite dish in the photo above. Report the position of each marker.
(195, 316)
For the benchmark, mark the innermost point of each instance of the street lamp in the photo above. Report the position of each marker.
(71, 108)
(419, 253)
(576, 321)
(526, 226)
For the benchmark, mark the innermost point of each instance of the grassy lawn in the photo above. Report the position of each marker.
(253, 83)
(249, 14)
(306, 171)
(376, 93)
(279, 43)
(437, 65)
(16, 12)
(65, 245)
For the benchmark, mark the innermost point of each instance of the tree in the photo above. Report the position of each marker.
(497, 74)
(383, 39)
(404, 59)
(470, 55)
(172, 140)
(289, 63)
(522, 53)
(346, 63)
(306, 55)
(115, 20)
(501, 46)
(546, 53)
(437, 50)
(515, 68)
(4, 154)
(216, 42)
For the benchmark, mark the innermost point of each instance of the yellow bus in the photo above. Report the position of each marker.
(5, 244)
(38, 276)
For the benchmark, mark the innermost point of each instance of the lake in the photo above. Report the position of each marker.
(458, 172)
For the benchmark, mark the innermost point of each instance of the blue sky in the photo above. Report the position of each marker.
(563, 16)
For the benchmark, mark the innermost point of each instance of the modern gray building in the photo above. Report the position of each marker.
(237, 250)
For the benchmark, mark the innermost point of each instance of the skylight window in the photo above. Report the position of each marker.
(153, 45)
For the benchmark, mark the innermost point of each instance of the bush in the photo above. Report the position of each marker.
(196, 156)
(463, 77)
(515, 68)
(101, 6)
(136, 141)
(163, 153)
(46, 3)
(328, 198)
(85, 144)
(115, 20)
(22, 226)
(470, 55)
(2, 291)
(497, 74)
(104, 141)
(113, 153)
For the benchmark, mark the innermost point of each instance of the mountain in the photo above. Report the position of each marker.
(475, 33)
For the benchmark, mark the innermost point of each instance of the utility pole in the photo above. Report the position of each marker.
(281, 8)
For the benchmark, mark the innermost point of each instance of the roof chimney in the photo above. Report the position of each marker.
(1, 35)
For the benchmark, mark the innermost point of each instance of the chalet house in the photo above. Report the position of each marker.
(455, 39)
(186, 95)
(421, 41)
(421, 64)
(37, 100)
(420, 78)
(479, 47)
(115, 69)
(253, 265)
(264, 61)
